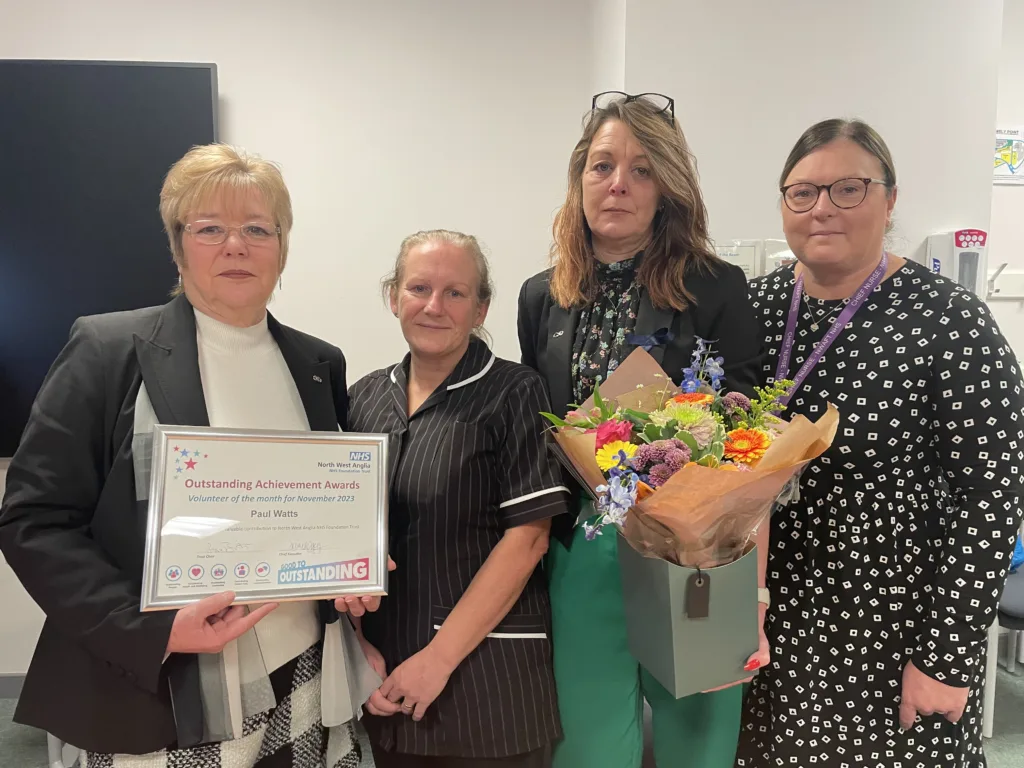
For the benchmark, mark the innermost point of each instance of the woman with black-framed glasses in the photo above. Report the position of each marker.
(887, 571)
(633, 266)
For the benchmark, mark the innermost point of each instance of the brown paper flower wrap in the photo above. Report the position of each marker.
(701, 516)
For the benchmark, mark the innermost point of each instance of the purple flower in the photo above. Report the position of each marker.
(737, 401)
(676, 458)
(649, 454)
(659, 475)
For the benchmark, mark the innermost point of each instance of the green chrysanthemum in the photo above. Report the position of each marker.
(695, 420)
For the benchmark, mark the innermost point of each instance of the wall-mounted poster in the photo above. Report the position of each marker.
(1009, 156)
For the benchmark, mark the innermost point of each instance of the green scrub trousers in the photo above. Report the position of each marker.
(601, 687)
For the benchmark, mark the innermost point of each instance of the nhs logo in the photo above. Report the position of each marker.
(359, 456)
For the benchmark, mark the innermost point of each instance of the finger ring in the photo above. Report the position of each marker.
(408, 706)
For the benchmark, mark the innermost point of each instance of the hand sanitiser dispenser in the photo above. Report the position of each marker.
(962, 256)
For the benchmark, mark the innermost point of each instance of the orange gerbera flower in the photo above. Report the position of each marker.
(643, 490)
(746, 445)
(693, 398)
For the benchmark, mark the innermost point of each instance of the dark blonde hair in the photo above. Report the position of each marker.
(209, 170)
(827, 131)
(680, 239)
(468, 243)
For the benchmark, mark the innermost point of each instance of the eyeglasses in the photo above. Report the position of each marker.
(661, 103)
(210, 232)
(845, 193)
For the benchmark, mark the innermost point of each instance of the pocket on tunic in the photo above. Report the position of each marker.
(523, 626)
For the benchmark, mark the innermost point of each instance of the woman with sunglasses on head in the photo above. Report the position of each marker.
(888, 569)
(632, 267)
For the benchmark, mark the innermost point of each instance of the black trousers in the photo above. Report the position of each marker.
(540, 758)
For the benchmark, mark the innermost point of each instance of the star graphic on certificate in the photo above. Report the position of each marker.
(196, 454)
(184, 452)
(190, 464)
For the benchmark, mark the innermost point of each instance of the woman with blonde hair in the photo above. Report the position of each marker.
(632, 267)
(211, 684)
(462, 639)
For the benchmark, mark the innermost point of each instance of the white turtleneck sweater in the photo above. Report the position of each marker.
(247, 385)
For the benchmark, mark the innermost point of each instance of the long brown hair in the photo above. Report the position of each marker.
(680, 228)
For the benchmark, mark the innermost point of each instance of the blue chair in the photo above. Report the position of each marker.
(1010, 617)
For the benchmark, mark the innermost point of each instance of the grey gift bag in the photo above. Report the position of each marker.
(688, 655)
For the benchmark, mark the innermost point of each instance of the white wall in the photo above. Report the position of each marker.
(390, 117)
(386, 118)
(608, 46)
(901, 66)
(1006, 231)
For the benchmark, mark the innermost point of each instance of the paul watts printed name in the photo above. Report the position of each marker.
(300, 573)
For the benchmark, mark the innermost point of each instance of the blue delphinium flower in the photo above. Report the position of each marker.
(615, 499)
(704, 369)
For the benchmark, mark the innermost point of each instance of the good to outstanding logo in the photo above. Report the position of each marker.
(348, 570)
(186, 460)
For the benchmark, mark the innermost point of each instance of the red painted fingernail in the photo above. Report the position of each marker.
(751, 666)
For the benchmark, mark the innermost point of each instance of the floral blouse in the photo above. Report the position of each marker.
(600, 343)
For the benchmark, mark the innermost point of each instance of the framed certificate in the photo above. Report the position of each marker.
(269, 515)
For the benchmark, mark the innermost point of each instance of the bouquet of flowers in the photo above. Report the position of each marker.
(686, 473)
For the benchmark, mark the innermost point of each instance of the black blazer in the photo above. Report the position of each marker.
(72, 531)
(721, 312)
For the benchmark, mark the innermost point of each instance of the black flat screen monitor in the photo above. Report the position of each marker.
(84, 149)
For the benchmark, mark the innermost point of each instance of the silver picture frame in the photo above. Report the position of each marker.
(155, 594)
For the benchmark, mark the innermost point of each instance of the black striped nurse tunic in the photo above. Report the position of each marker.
(468, 465)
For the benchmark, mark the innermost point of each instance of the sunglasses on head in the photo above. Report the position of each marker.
(661, 103)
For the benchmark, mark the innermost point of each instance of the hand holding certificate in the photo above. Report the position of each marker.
(268, 515)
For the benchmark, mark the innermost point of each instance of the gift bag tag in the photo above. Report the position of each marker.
(698, 595)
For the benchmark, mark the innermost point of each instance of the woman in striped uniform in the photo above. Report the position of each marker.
(462, 637)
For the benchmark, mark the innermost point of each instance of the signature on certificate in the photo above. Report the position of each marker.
(310, 547)
(227, 547)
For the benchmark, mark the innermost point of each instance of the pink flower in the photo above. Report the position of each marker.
(613, 430)
(577, 417)
(659, 475)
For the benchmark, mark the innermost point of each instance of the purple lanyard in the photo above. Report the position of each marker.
(873, 281)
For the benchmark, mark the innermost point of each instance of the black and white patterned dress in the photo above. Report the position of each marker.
(898, 548)
(290, 735)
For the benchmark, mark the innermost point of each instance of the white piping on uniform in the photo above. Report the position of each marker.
(513, 635)
(474, 377)
(533, 495)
